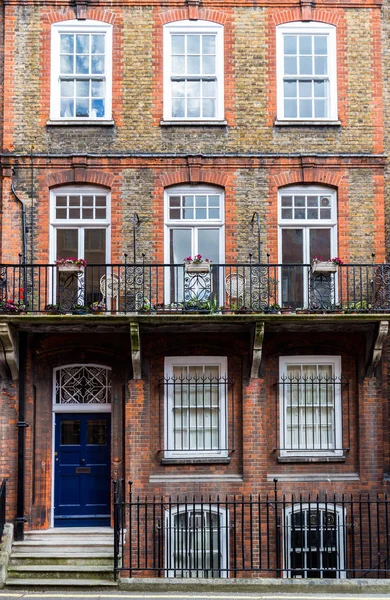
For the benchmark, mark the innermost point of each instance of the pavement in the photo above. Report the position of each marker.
(236, 595)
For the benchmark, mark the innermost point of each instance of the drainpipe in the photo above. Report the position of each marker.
(20, 518)
(24, 229)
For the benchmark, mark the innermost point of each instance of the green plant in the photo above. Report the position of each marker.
(80, 262)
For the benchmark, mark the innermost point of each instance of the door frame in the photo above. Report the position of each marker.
(72, 408)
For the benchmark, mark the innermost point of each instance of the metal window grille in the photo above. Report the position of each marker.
(196, 414)
(312, 411)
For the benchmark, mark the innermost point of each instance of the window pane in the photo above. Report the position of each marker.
(82, 64)
(193, 108)
(305, 44)
(290, 89)
(290, 44)
(67, 243)
(180, 245)
(208, 107)
(193, 65)
(290, 109)
(208, 65)
(193, 44)
(178, 89)
(290, 65)
(67, 88)
(178, 107)
(305, 109)
(97, 46)
(70, 433)
(320, 65)
(320, 243)
(305, 65)
(178, 44)
(82, 108)
(292, 246)
(82, 44)
(95, 246)
(82, 88)
(178, 65)
(208, 244)
(66, 43)
(97, 432)
(320, 44)
(66, 64)
(209, 44)
(97, 65)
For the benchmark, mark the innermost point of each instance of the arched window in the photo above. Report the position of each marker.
(196, 541)
(194, 224)
(314, 539)
(307, 229)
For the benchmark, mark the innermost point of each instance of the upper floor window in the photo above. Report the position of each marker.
(193, 71)
(306, 71)
(81, 70)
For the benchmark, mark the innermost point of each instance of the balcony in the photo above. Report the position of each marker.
(121, 289)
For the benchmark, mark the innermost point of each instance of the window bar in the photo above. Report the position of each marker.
(146, 533)
(219, 537)
(251, 531)
(138, 532)
(385, 507)
(259, 528)
(369, 529)
(268, 531)
(232, 404)
(242, 532)
(234, 536)
(167, 538)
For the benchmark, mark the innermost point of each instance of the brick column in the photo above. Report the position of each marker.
(371, 431)
(255, 433)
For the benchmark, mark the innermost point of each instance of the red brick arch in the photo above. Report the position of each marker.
(203, 14)
(79, 175)
(96, 14)
(193, 175)
(307, 176)
(295, 14)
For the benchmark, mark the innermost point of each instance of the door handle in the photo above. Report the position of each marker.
(82, 461)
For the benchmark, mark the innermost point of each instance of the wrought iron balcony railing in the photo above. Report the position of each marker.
(215, 288)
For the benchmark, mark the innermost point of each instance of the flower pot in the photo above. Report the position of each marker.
(70, 268)
(203, 267)
(324, 267)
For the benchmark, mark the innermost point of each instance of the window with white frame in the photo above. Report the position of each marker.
(314, 537)
(310, 390)
(81, 70)
(193, 71)
(194, 224)
(307, 229)
(196, 541)
(80, 227)
(195, 397)
(306, 71)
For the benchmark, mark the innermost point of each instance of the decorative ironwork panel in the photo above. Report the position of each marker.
(83, 384)
(321, 291)
(71, 289)
(132, 286)
(382, 287)
(261, 288)
(197, 290)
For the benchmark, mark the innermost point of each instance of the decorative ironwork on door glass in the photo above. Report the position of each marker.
(83, 384)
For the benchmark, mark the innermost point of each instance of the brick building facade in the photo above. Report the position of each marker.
(134, 135)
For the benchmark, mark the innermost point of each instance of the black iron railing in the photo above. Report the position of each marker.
(3, 500)
(217, 289)
(324, 536)
(119, 511)
(312, 415)
(196, 415)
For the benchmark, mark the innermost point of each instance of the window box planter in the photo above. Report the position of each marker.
(203, 267)
(69, 268)
(324, 267)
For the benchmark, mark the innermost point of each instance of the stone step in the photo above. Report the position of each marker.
(39, 584)
(64, 533)
(60, 572)
(61, 547)
(46, 558)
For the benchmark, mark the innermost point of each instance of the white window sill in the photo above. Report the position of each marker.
(79, 122)
(189, 123)
(306, 123)
(192, 460)
(312, 459)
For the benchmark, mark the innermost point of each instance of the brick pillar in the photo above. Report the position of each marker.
(255, 433)
(137, 435)
(371, 431)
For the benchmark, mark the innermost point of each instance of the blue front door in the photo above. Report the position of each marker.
(82, 470)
